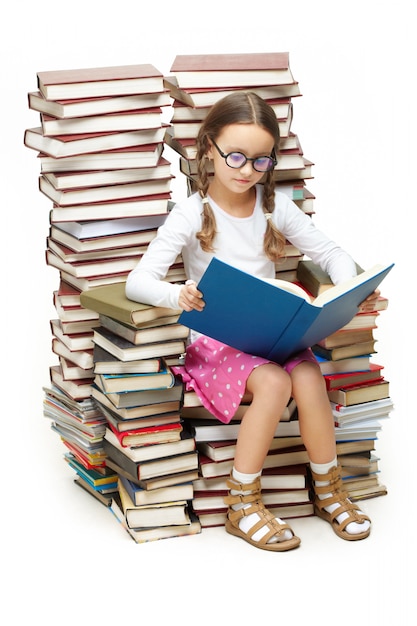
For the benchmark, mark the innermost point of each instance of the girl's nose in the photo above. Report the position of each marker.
(247, 168)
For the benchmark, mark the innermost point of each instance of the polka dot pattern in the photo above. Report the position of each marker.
(218, 374)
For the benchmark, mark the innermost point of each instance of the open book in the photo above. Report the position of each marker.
(267, 318)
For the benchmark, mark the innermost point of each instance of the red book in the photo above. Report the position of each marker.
(145, 155)
(338, 381)
(228, 62)
(358, 394)
(207, 96)
(83, 458)
(79, 107)
(83, 143)
(69, 296)
(140, 206)
(115, 121)
(149, 435)
(99, 81)
(232, 70)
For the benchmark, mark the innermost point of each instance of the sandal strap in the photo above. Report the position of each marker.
(250, 494)
(333, 478)
(240, 498)
(336, 495)
(266, 518)
(253, 487)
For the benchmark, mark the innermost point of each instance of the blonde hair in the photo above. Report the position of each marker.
(238, 108)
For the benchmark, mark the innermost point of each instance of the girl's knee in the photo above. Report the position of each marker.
(270, 379)
(306, 374)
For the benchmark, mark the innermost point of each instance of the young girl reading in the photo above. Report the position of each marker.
(245, 222)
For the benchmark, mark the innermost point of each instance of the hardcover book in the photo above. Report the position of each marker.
(143, 535)
(268, 320)
(111, 300)
(120, 383)
(85, 143)
(139, 454)
(232, 70)
(153, 468)
(93, 82)
(78, 107)
(207, 96)
(139, 496)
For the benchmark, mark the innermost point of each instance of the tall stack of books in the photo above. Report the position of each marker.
(100, 149)
(357, 389)
(196, 82)
(145, 441)
(100, 145)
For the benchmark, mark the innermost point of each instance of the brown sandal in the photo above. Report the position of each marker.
(338, 496)
(275, 528)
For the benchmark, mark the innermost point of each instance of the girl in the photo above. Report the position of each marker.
(246, 223)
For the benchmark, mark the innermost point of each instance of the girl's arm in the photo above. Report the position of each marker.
(300, 230)
(147, 281)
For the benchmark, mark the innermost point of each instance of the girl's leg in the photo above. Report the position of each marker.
(314, 412)
(270, 386)
(317, 430)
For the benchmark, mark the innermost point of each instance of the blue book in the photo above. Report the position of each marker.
(122, 383)
(170, 493)
(267, 318)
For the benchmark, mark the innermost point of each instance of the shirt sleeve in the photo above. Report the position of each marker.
(300, 230)
(147, 281)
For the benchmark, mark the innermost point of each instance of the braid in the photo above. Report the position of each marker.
(274, 241)
(208, 228)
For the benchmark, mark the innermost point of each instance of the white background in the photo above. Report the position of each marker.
(64, 558)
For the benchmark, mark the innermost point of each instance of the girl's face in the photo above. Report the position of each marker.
(249, 139)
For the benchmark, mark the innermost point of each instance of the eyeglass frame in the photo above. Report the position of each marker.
(253, 159)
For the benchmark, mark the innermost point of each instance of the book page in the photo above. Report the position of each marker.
(333, 292)
(288, 286)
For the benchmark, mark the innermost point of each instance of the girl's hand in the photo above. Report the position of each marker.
(190, 298)
(369, 303)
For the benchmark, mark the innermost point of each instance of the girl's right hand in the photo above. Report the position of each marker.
(190, 297)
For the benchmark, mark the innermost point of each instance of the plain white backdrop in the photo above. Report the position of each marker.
(63, 557)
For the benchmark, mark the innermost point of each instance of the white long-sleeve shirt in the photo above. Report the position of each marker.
(238, 242)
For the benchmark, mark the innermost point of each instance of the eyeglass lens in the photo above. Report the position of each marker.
(237, 159)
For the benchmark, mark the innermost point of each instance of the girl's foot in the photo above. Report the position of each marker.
(332, 504)
(248, 518)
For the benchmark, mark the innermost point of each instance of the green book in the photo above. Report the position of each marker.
(111, 300)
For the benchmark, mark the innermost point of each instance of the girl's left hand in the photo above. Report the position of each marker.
(369, 303)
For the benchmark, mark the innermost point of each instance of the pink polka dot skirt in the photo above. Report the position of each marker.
(218, 374)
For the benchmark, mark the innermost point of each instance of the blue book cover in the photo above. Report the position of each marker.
(261, 318)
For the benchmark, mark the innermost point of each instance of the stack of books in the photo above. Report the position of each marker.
(100, 149)
(196, 82)
(81, 427)
(135, 440)
(145, 441)
(100, 145)
(357, 389)
(284, 481)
